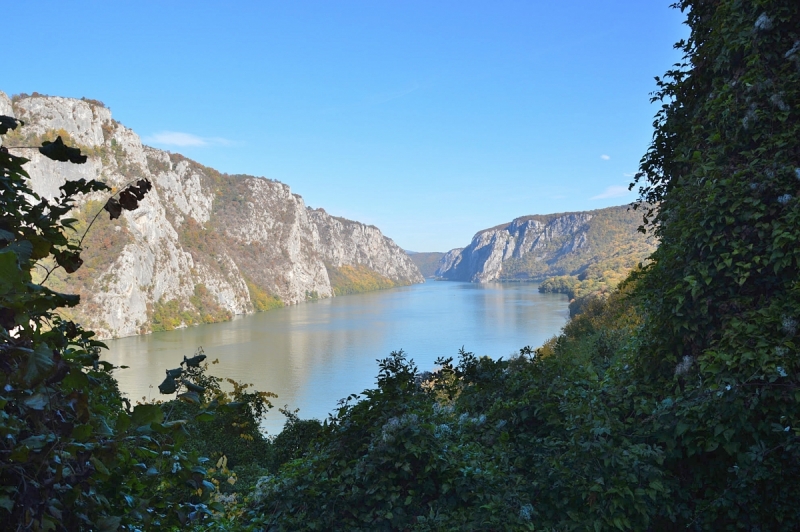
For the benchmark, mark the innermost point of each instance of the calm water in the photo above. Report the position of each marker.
(314, 354)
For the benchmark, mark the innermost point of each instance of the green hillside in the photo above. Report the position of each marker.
(427, 262)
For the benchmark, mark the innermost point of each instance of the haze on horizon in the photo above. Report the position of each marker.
(429, 121)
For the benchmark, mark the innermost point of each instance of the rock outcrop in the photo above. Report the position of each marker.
(540, 246)
(203, 245)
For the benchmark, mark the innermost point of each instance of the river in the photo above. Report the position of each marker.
(316, 353)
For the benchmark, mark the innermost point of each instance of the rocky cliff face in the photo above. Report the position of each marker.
(536, 247)
(202, 246)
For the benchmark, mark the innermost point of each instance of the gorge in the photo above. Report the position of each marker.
(536, 247)
(204, 245)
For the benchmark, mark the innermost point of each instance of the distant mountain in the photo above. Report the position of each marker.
(540, 246)
(203, 245)
(427, 262)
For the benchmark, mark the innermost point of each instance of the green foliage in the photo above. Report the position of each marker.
(597, 281)
(386, 463)
(201, 307)
(356, 279)
(671, 404)
(75, 456)
(544, 442)
(722, 291)
(223, 425)
(294, 440)
(261, 299)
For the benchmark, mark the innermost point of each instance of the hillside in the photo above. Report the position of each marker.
(427, 262)
(540, 246)
(204, 245)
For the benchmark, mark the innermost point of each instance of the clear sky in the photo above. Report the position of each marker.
(429, 119)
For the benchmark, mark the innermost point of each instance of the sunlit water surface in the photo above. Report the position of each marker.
(316, 353)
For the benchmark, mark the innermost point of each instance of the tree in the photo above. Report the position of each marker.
(722, 295)
(73, 454)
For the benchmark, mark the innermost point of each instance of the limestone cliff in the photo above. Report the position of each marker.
(203, 245)
(540, 246)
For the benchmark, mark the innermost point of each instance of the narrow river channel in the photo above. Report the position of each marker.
(316, 353)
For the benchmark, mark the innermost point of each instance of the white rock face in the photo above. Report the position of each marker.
(352, 243)
(82, 120)
(197, 234)
(6, 108)
(547, 238)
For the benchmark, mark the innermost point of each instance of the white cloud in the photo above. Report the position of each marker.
(614, 191)
(629, 174)
(176, 138)
(605, 157)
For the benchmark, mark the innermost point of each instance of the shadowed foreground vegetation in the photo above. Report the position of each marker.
(670, 404)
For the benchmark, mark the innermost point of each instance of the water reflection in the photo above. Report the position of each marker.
(314, 354)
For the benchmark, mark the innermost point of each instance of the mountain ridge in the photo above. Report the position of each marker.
(537, 247)
(204, 245)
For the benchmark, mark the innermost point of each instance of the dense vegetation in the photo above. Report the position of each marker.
(671, 404)
(75, 455)
(598, 280)
(356, 279)
(202, 307)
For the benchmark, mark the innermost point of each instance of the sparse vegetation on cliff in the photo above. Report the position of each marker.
(356, 279)
(201, 307)
(261, 299)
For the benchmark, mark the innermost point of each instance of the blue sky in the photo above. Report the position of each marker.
(429, 119)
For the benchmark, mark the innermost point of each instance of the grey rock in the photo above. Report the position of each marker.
(539, 246)
(196, 229)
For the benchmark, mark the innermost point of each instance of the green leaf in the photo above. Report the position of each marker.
(232, 407)
(36, 402)
(146, 414)
(114, 208)
(71, 188)
(39, 362)
(123, 422)
(190, 397)
(35, 442)
(108, 524)
(98, 465)
(75, 380)
(19, 454)
(40, 247)
(23, 249)
(204, 416)
(7, 503)
(10, 274)
(193, 387)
